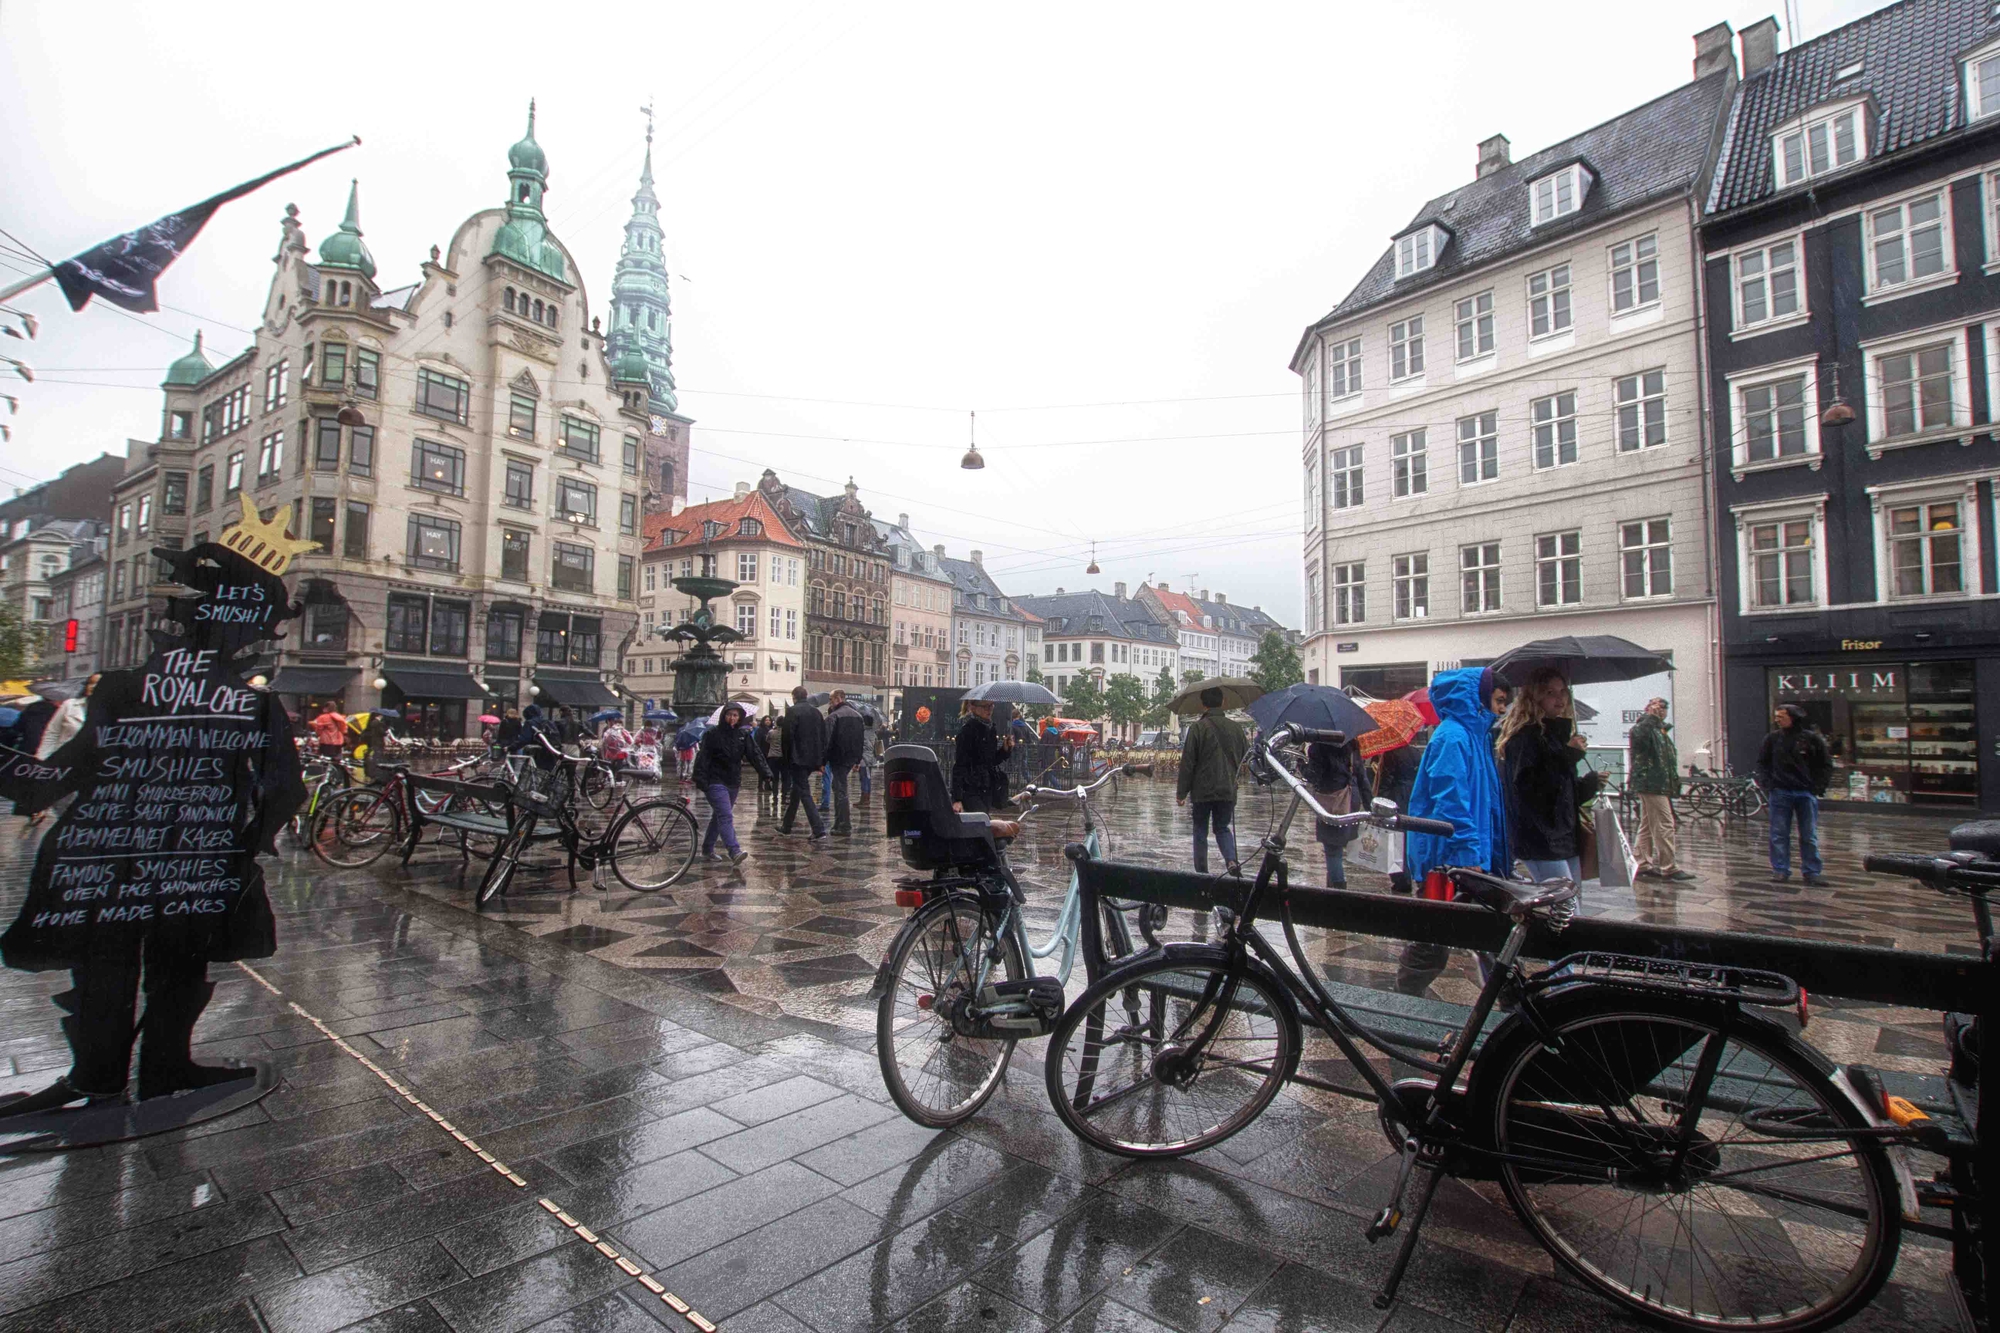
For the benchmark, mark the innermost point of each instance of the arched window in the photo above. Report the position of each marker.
(510, 300)
(523, 196)
(538, 312)
(552, 316)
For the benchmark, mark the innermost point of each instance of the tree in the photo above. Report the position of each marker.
(1275, 664)
(1082, 699)
(1035, 677)
(20, 646)
(1190, 677)
(1161, 706)
(1125, 700)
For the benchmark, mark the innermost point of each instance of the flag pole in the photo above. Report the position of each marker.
(34, 280)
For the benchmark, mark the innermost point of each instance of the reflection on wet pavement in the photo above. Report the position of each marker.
(690, 1074)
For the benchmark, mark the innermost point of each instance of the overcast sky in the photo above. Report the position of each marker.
(1103, 227)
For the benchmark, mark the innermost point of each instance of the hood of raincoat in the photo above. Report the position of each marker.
(1458, 781)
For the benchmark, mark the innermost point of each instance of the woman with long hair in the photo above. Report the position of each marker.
(1539, 749)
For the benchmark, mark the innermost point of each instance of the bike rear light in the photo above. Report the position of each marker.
(1438, 887)
(902, 787)
(1902, 1112)
(909, 897)
(1805, 1009)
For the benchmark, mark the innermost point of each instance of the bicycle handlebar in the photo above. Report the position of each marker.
(1939, 872)
(1077, 793)
(1381, 812)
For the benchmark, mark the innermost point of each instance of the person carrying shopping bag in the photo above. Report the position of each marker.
(1540, 749)
(1340, 779)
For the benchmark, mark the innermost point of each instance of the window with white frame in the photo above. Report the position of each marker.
(1350, 593)
(1773, 414)
(1642, 410)
(1926, 548)
(1635, 274)
(1478, 448)
(1559, 194)
(1779, 562)
(1767, 285)
(1343, 476)
(1312, 489)
(1410, 584)
(1913, 390)
(1646, 551)
(1343, 368)
(1312, 394)
(1559, 569)
(1418, 250)
(1553, 426)
(1479, 578)
(1548, 302)
(1409, 466)
(1406, 348)
(1909, 242)
(1819, 143)
(1982, 84)
(1313, 609)
(1473, 323)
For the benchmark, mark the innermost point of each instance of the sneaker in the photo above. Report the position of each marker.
(1816, 881)
(1647, 872)
(737, 858)
(1777, 878)
(1677, 876)
(818, 838)
(1234, 869)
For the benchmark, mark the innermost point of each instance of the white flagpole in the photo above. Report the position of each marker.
(8, 293)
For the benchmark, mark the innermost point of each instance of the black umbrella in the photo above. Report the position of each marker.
(1320, 706)
(1013, 692)
(1583, 659)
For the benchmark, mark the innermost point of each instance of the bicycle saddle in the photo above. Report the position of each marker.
(1511, 897)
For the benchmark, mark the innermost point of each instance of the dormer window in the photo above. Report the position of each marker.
(1559, 193)
(1825, 141)
(1982, 84)
(1418, 250)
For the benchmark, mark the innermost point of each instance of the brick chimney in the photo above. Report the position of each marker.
(1162, 586)
(903, 522)
(938, 550)
(742, 489)
(978, 559)
(1221, 599)
(1059, 592)
(1760, 46)
(1204, 596)
(1714, 51)
(1493, 155)
(1118, 591)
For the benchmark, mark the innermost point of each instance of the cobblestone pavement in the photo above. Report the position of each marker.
(688, 1077)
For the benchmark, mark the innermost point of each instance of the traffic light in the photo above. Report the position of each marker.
(69, 636)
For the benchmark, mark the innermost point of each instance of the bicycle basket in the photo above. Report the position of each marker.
(1709, 981)
(544, 794)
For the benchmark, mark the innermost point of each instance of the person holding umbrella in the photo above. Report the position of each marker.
(1211, 754)
(1339, 777)
(1540, 749)
(718, 772)
(977, 783)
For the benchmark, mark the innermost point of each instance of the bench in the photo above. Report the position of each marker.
(466, 823)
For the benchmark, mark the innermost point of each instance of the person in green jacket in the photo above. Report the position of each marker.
(1210, 756)
(1653, 774)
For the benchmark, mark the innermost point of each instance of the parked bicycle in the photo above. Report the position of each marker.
(958, 986)
(1679, 1151)
(1706, 795)
(353, 828)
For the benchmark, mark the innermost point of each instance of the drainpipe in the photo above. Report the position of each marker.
(1705, 417)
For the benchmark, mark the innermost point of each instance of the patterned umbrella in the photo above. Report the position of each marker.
(1400, 721)
(1422, 699)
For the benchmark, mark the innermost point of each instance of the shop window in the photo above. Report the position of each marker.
(1899, 732)
(409, 619)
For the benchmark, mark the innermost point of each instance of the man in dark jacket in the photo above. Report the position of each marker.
(843, 752)
(977, 782)
(1210, 756)
(1793, 767)
(1653, 775)
(805, 752)
(1340, 779)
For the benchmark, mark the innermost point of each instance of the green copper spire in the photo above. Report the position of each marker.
(345, 248)
(641, 332)
(524, 236)
(192, 368)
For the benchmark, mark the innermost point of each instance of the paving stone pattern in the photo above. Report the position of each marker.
(690, 1076)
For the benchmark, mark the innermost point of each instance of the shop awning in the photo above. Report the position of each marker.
(432, 681)
(574, 690)
(312, 679)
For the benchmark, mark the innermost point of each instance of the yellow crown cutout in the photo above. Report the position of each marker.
(269, 546)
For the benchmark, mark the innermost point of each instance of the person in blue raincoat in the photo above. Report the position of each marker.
(1458, 781)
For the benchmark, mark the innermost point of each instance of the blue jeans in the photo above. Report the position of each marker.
(1223, 815)
(1785, 807)
(722, 822)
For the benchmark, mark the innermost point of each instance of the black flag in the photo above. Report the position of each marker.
(124, 269)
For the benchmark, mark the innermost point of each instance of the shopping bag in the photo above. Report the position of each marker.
(1616, 865)
(1377, 849)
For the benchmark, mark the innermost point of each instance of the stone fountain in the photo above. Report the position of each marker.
(701, 675)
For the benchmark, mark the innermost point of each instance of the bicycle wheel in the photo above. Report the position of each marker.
(1704, 801)
(355, 827)
(935, 1072)
(597, 786)
(1171, 1055)
(652, 845)
(1751, 800)
(1687, 1205)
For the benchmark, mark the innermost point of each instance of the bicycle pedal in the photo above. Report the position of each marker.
(1385, 1223)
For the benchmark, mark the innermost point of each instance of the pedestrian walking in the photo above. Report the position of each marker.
(766, 736)
(1394, 772)
(1211, 754)
(529, 740)
(1340, 780)
(805, 754)
(718, 773)
(1459, 783)
(977, 782)
(685, 741)
(1794, 766)
(844, 749)
(329, 725)
(1653, 774)
(1539, 749)
(614, 745)
(508, 731)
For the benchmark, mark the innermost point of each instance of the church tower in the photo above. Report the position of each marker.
(639, 342)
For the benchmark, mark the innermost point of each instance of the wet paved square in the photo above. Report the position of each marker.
(689, 1078)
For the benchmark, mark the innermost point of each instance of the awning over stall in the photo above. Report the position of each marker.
(432, 680)
(574, 689)
(312, 679)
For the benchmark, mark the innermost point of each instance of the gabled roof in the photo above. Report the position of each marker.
(1070, 615)
(730, 513)
(1647, 154)
(969, 579)
(904, 552)
(1909, 56)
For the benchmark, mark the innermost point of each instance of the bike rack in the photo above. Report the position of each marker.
(1946, 983)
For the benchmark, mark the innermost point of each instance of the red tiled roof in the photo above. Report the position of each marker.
(729, 512)
(1180, 604)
